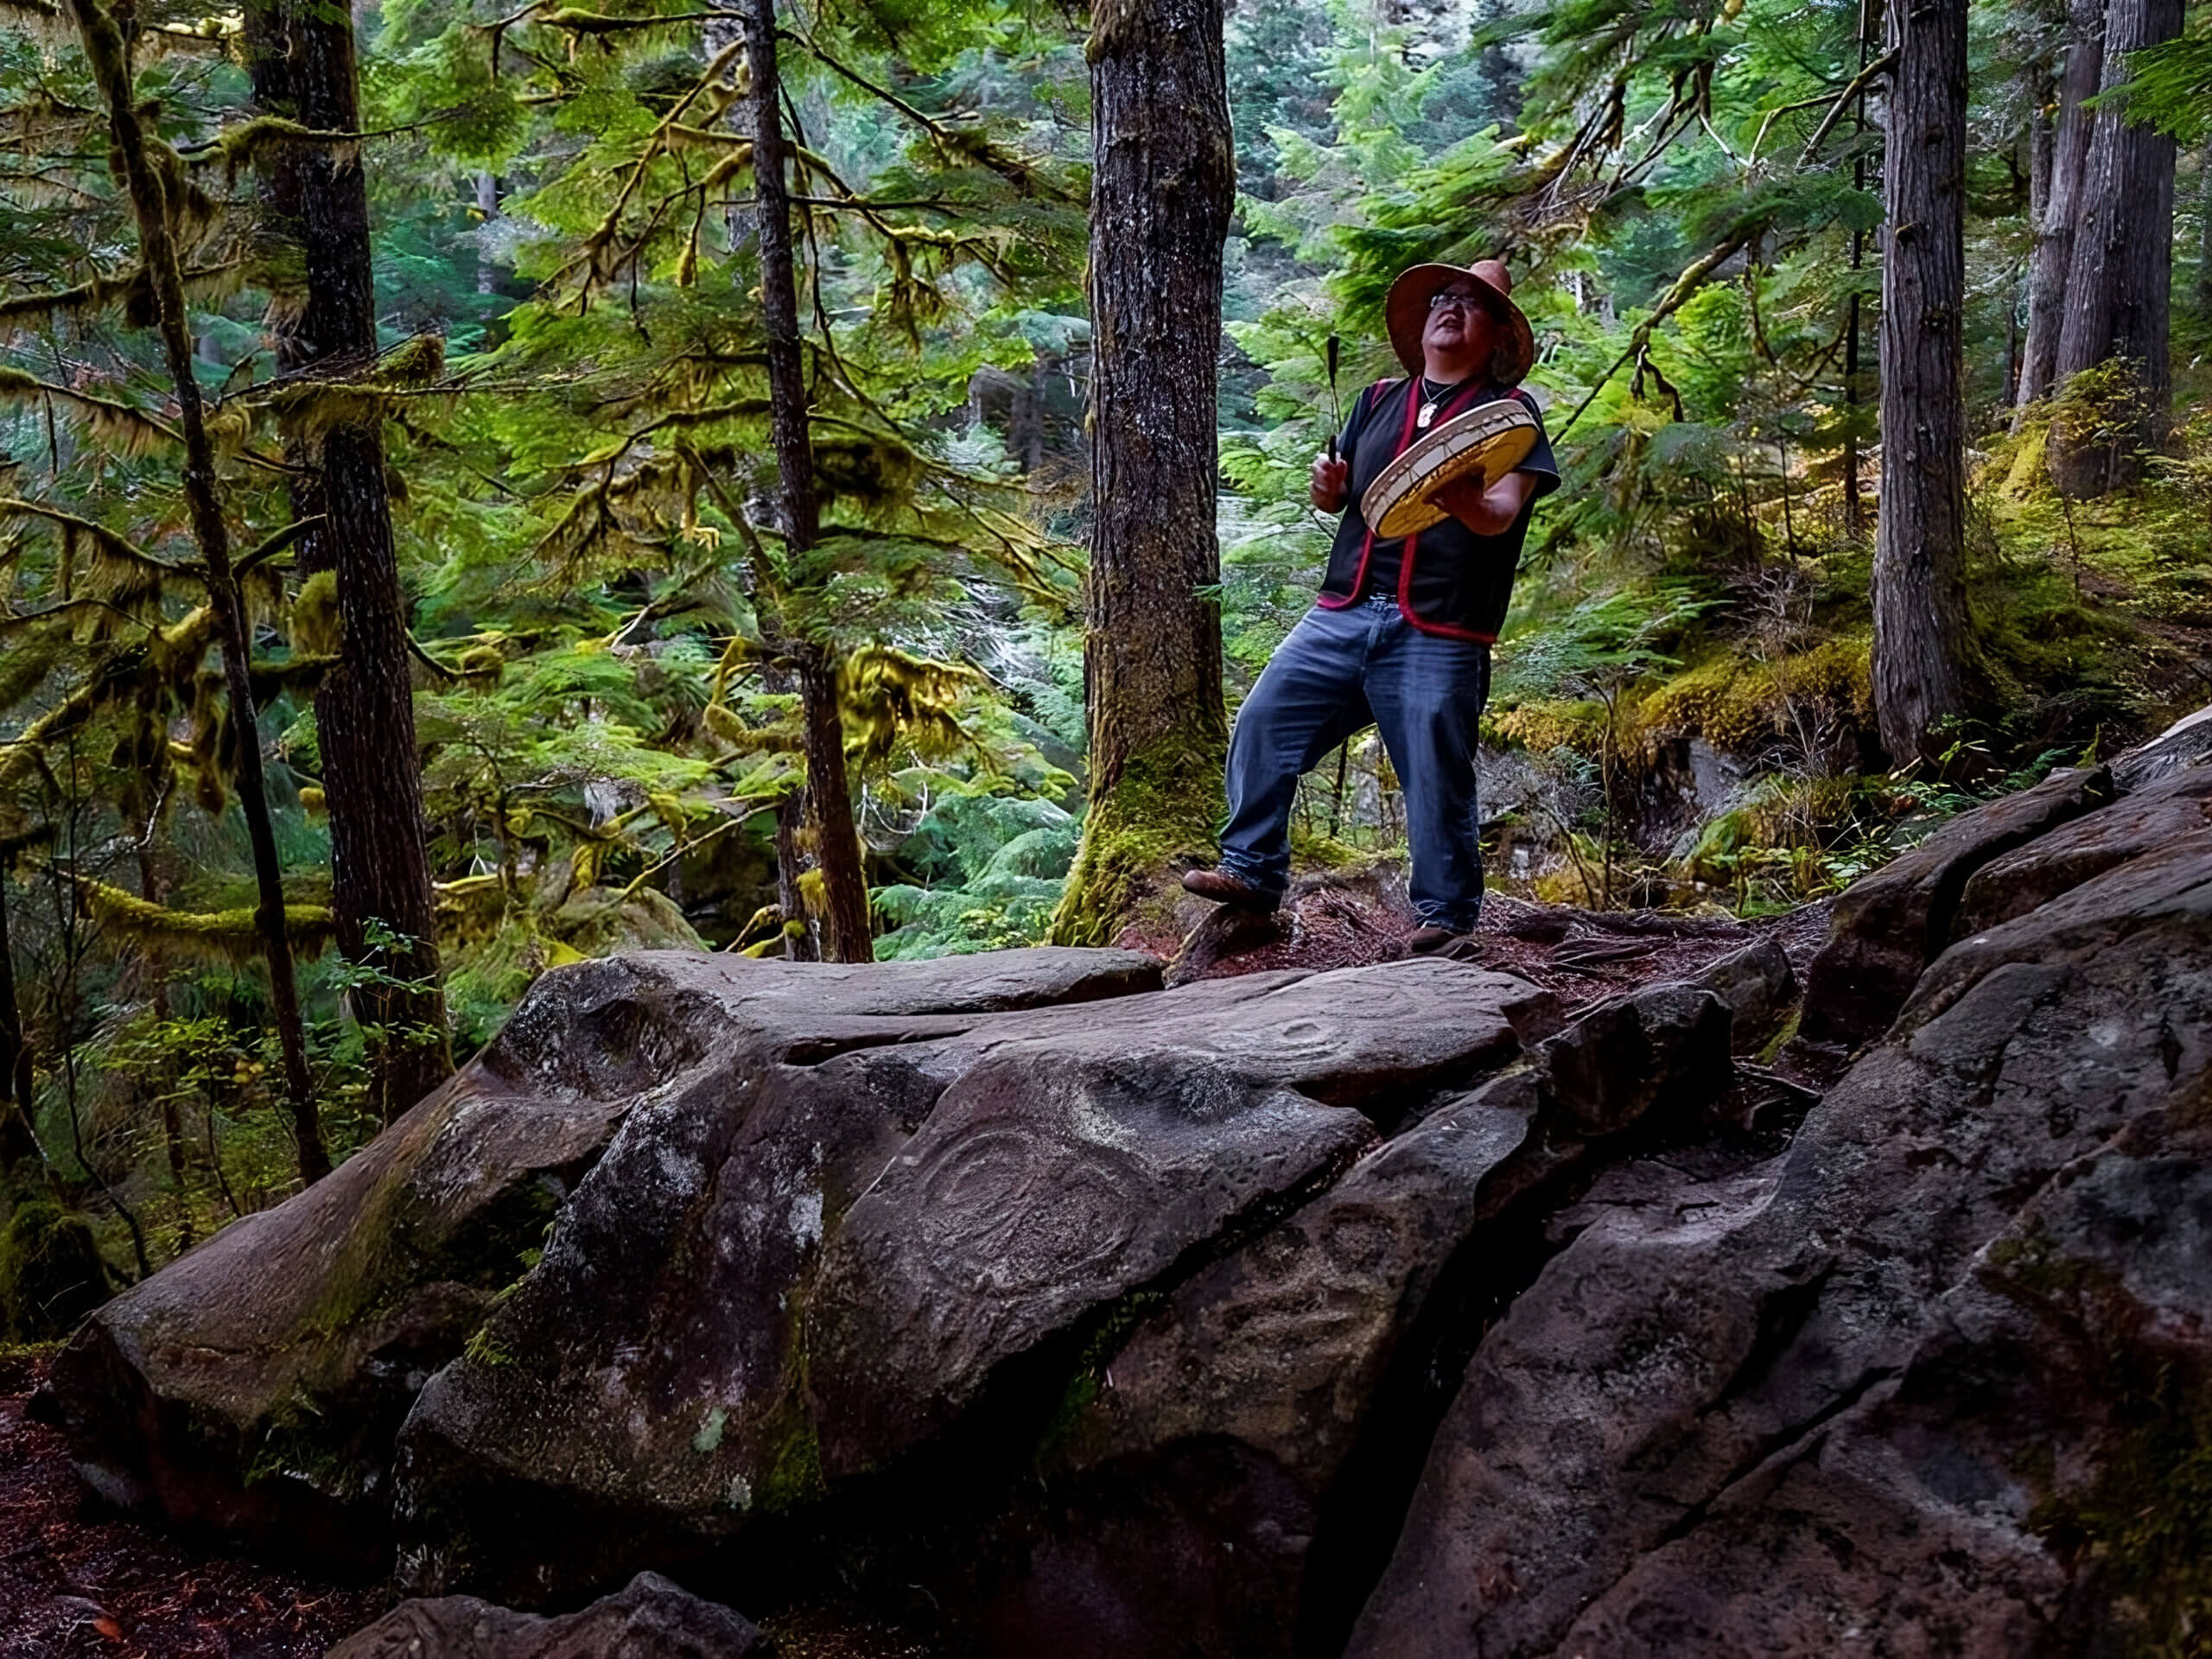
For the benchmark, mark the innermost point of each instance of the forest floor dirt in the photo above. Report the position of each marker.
(78, 1578)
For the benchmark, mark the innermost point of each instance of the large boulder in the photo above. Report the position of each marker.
(2171, 807)
(254, 1386)
(1905, 1384)
(782, 1280)
(2186, 743)
(1886, 927)
(1271, 1414)
(650, 1619)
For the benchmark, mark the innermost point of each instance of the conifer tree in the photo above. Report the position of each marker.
(836, 845)
(1163, 183)
(154, 181)
(2056, 209)
(2119, 277)
(1922, 631)
(302, 57)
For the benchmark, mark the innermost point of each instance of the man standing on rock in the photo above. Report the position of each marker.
(1400, 637)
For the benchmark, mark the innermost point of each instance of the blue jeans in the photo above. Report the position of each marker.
(1339, 672)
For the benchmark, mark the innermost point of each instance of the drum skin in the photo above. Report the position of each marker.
(1491, 439)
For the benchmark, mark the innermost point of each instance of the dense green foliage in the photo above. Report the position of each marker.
(575, 409)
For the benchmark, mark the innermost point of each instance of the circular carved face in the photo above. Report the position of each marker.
(1008, 1210)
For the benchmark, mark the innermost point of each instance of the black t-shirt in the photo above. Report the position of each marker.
(1459, 583)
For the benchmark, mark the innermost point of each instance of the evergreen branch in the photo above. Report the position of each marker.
(230, 935)
(168, 649)
(685, 849)
(952, 142)
(132, 289)
(112, 542)
(1859, 82)
(131, 428)
(294, 673)
(277, 543)
(1675, 298)
(453, 676)
(591, 254)
(576, 20)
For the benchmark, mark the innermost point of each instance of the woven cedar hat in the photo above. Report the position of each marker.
(1406, 313)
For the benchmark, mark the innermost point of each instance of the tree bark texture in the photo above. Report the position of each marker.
(303, 67)
(146, 184)
(1920, 627)
(2119, 286)
(2055, 217)
(18, 1140)
(1163, 184)
(1854, 501)
(2204, 235)
(845, 931)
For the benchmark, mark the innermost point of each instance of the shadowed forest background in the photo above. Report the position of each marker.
(432, 366)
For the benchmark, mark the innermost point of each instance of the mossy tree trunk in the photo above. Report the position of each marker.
(836, 850)
(2118, 284)
(302, 57)
(147, 175)
(1164, 181)
(1921, 634)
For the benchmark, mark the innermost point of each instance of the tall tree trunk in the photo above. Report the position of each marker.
(302, 64)
(1921, 627)
(1164, 179)
(488, 208)
(2205, 235)
(2119, 288)
(19, 1149)
(2055, 223)
(799, 945)
(845, 932)
(146, 184)
(155, 891)
(1854, 501)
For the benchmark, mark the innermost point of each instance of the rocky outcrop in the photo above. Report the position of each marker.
(2175, 805)
(254, 1386)
(651, 1619)
(1398, 1309)
(797, 1276)
(1765, 1409)
(1274, 1411)
(1890, 925)
(2186, 743)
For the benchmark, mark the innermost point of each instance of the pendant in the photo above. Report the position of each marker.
(1427, 413)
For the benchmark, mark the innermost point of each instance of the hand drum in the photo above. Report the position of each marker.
(1484, 444)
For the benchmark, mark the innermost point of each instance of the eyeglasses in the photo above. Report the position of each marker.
(1468, 303)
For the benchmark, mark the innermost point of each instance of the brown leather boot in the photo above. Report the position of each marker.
(1443, 942)
(1226, 889)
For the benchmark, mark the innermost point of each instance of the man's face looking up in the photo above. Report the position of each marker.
(1461, 333)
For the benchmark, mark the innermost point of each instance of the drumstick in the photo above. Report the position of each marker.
(1336, 410)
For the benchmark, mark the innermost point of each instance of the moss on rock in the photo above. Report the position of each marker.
(51, 1273)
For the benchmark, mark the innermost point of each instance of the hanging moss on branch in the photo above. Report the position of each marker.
(230, 936)
(887, 697)
(112, 424)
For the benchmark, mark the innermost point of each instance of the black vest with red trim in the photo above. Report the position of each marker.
(1449, 581)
